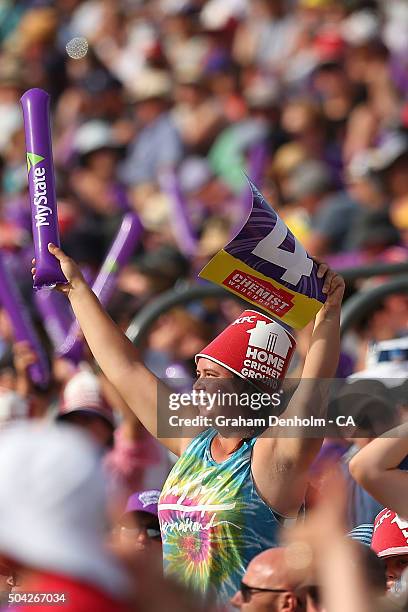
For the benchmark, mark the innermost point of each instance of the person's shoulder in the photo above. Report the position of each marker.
(198, 444)
(166, 122)
(210, 432)
(340, 200)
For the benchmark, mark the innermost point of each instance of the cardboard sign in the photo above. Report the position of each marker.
(267, 266)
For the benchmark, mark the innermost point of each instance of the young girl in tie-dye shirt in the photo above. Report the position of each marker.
(220, 504)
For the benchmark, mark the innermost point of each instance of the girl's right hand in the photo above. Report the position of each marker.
(70, 269)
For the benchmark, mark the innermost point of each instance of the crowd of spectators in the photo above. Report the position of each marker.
(310, 99)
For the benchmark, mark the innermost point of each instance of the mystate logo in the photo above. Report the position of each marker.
(269, 349)
(261, 292)
(40, 189)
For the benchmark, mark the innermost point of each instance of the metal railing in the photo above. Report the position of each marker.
(355, 308)
(364, 302)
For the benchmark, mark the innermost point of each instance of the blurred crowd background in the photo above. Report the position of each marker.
(308, 97)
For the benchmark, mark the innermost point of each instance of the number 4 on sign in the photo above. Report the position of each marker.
(296, 264)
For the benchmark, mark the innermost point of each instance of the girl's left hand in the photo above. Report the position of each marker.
(333, 286)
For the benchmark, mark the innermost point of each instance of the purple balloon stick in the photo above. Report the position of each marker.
(12, 302)
(183, 232)
(56, 316)
(118, 256)
(41, 183)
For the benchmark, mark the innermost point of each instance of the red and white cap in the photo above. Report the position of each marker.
(390, 537)
(83, 393)
(254, 346)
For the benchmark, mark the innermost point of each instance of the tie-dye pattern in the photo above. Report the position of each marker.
(212, 519)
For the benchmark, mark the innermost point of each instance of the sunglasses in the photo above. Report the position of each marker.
(247, 591)
(133, 532)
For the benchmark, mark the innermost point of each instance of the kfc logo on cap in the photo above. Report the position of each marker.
(254, 346)
(246, 319)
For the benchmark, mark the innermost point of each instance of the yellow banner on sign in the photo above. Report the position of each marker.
(293, 308)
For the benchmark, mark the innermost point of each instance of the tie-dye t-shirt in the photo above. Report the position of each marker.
(212, 519)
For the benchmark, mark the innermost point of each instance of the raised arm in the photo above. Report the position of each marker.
(118, 359)
(310, 398)
(375, 467)
(278, 458)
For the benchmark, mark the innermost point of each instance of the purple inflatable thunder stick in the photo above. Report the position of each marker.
(41, 183)
(56, 314)
(120, 252)
(118, 256)
(185, 236)
(19, 316)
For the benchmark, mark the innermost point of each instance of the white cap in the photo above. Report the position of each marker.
(395, 30)
(83, 392)
(394, 344)
(151, 83)
(262, 93)
(53, 504)
(393, 146)
(92, 136)
(174, 7)
(215, 14)
(390, 373)
(12, 120)
(12, 406)
(194, 173)
(361, 164)
(360, 27)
